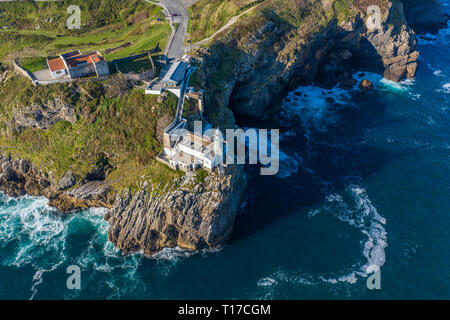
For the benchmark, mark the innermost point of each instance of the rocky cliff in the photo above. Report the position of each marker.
(190, 212)
(187, 213)
(263, 57)
(19, 177)
(284, 44)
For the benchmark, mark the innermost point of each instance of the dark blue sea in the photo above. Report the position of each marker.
(364, 182)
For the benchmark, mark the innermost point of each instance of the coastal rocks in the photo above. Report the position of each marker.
(425, 16)
(366, 86)
(395, 54)
(188, 216)
(20, 177)
(93, 191)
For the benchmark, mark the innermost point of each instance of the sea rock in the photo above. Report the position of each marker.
(366, 86)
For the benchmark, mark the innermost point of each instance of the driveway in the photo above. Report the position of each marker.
(177, 7)
(177, 47)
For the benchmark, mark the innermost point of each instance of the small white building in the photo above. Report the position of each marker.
(57, 68)
(194, 151)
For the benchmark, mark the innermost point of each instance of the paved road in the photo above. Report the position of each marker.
(176, 45)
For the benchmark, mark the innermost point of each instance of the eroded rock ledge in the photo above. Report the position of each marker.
(188, 213)
(20, 177)
(270, 63)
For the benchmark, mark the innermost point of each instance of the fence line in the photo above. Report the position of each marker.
(25, 72)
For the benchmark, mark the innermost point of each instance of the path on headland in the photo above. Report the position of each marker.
(230, 22)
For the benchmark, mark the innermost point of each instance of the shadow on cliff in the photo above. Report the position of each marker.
(327, 162)
(330, 58)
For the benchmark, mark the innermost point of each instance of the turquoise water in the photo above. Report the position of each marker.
(364, 180)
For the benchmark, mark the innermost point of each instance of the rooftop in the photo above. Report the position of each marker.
(176, 72)
(91, 57)
(56, 64)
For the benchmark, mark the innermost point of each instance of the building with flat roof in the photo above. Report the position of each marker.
(187, 151)
(175, 74)
(77, 65)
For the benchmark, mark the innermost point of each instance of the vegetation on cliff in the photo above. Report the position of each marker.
(111, 120)
(295, 39)
(80, 126)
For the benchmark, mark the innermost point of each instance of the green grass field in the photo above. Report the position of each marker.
(34, 64)
(136, 66)
(29, 35)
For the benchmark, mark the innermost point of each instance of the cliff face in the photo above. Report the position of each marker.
(274, 57)
(20, 177)
(187, 214)
(190, 212)
(247, 70)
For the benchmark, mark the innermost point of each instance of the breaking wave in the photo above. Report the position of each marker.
(355, 208)
(34, 237)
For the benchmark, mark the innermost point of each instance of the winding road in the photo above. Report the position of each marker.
(176, 13)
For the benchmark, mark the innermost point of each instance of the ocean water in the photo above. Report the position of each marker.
(364, 181)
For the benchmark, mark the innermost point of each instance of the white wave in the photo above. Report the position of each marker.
(266, 282)
(381, 83)
(442, 38)
(312, 105)
(445, 88)
(41, 236)
(355, 208)
(288, 134)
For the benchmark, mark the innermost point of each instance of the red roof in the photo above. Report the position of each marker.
(88, 58)
(56, 64)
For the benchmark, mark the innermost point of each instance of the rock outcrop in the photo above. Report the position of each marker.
(270, 62)
(189, 214)
(43, 116)
(20, 177)
(366, 85)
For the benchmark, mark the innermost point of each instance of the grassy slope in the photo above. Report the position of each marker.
(120, 122)
(208, 16)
